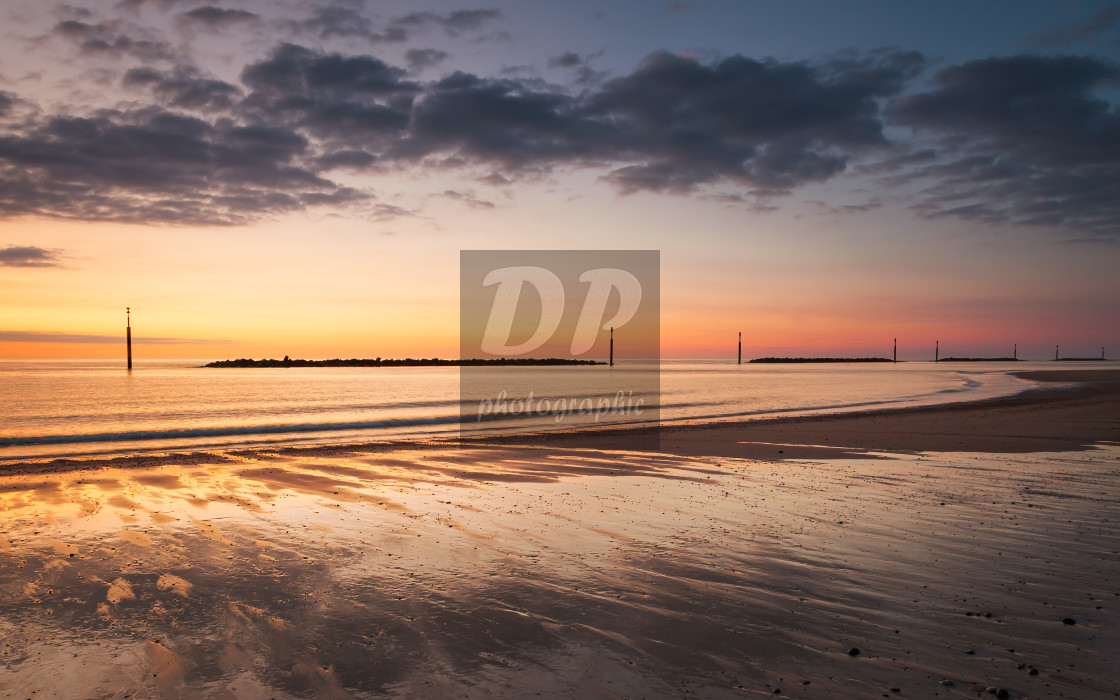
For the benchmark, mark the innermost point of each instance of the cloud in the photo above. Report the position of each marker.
(217, 17)
(114, 38)
(210, 152)
(161, 4)
(348, 102)
(152, 165)
(354, 160)
(585, 75)
(897, 163)
(672, 125)
(980, 212)
(454, 23)
(185, 87)
(1025, 139)
(339, 20)
(51, 337)
(568, 59)
(419, 59)
(496, 179)
(1022, 94)
(29, 256)
(469, 199)
(766, 125)
(863, 207)
(293, 70)
(388, 212)
(506, 122)
(1079, 30)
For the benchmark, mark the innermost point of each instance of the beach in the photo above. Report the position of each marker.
(568, 350)
(939, 551)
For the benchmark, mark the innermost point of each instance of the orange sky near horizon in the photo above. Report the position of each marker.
(802, 286)
(270, 290)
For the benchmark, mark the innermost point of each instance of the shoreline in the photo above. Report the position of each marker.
(1040, 418)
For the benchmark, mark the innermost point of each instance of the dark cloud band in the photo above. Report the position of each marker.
(1022, 139)
(29, 256)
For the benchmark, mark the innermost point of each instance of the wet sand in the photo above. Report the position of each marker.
(1067, 410)
(569, 570)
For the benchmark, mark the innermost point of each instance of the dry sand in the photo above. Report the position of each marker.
(720, 568)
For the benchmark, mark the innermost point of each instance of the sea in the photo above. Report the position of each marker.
(96, 408)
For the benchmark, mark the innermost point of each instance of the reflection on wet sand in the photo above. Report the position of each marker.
(565, 572)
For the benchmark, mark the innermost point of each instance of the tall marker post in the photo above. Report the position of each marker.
(612, 346)
(896, 349)
(128, 334)
(741, 348)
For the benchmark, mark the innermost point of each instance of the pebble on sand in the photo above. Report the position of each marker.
(854, 651)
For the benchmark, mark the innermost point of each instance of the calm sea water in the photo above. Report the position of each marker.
(75, 408)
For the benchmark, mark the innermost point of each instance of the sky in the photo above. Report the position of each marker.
(259, 179)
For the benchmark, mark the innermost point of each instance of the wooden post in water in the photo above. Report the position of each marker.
(1015, 352)
(128, 334)
(1056, 352)
(937, 351)
(612, 346)
(741, 348)
(896, 349)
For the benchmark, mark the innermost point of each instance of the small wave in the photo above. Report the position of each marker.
(284, 429)
(141, 435)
